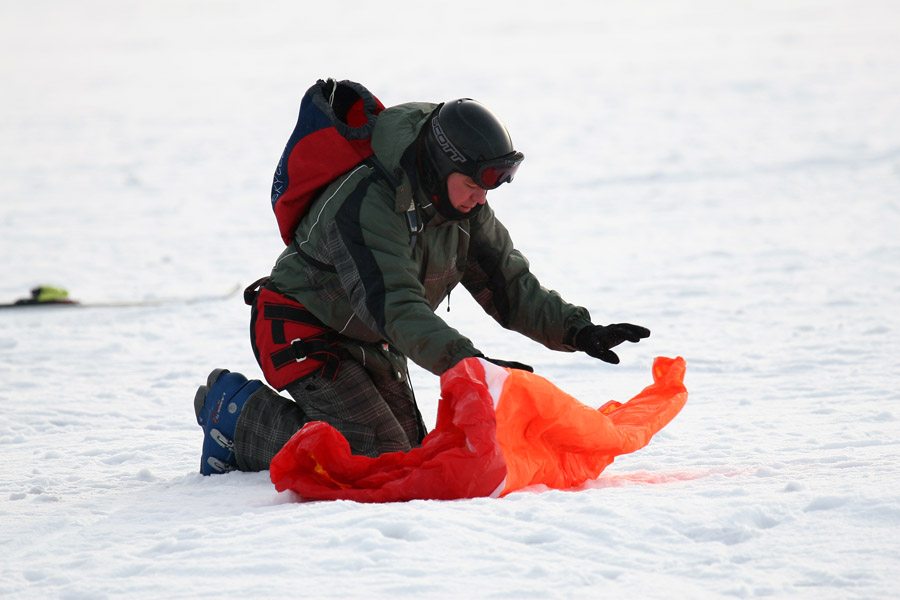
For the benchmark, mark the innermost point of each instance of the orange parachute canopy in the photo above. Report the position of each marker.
(498, 430)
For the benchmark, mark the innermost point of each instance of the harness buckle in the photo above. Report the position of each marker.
(294, 341)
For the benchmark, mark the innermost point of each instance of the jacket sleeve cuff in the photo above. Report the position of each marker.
(569, 338)
(461, 354)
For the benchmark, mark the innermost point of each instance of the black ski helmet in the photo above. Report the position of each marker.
(464, 136)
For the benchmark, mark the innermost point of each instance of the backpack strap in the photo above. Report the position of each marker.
(413, 223)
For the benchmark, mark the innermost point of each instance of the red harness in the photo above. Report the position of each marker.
(288, 341)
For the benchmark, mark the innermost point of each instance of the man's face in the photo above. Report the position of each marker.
(464, 193)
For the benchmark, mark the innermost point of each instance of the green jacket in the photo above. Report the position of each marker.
(353, 265)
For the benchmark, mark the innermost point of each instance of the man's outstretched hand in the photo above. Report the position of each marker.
(596, 340)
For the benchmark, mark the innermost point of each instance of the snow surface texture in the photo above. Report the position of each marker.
(724, 173)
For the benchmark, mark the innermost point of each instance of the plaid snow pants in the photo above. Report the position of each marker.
(374, 408)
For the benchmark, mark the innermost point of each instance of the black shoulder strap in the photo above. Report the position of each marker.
(412, 215)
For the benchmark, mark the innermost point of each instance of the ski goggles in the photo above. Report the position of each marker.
(491, 173)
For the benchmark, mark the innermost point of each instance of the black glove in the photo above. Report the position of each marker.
(509, 364)
(597, 340)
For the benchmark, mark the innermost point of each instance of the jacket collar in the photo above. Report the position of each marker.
(393, 141)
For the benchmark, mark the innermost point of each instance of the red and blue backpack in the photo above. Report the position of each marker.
(333, 134)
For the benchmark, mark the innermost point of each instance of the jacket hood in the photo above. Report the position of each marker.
(396, 129)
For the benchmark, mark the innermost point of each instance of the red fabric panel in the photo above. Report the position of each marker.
(459, 459)
(356, 116)
(315, 161)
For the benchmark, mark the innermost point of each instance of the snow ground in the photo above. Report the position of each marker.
(727, 174)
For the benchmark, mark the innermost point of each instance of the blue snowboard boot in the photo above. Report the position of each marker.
(217, 406)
